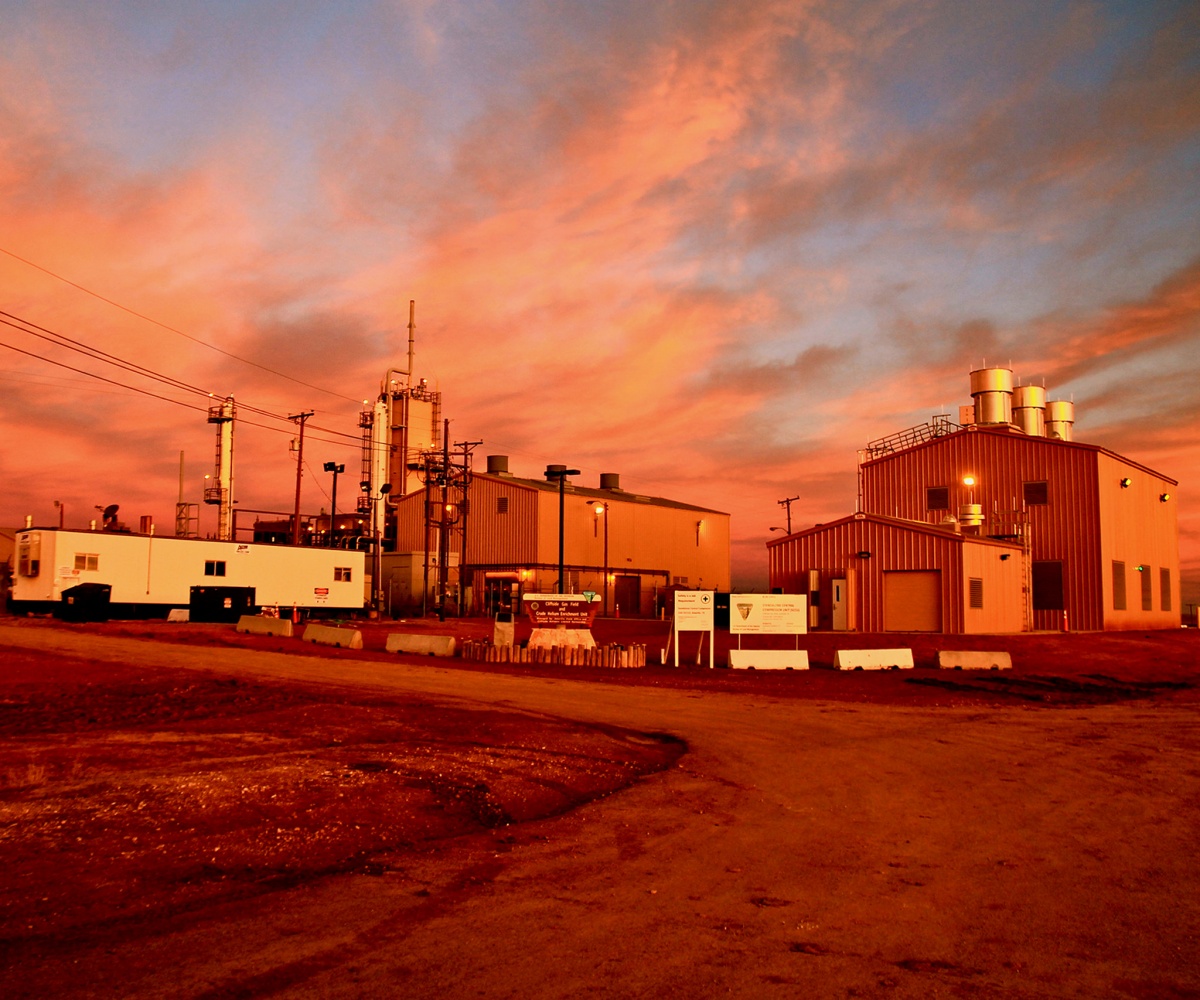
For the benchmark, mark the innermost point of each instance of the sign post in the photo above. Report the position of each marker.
(561, 619)
(694, 613)
(768, 614)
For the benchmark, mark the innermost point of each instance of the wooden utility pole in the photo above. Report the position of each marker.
(300, 418)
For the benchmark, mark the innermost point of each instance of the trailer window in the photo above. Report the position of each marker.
(87, 561)
(341, 574)
(214, 567)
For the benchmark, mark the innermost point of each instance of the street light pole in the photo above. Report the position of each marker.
(560, 472)
(335, 469)
(601, 509)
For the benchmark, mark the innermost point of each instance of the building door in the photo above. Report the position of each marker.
(912, 601)
(627, 594)
(839, 606)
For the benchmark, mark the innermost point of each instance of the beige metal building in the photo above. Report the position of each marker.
(626, 548)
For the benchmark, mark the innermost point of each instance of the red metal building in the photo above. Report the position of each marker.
(1098, 533)
(880, 574)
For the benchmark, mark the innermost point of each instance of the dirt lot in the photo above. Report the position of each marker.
(140, 797)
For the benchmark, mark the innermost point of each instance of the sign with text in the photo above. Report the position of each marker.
(560, 610)
(768, 614)
(694, 613)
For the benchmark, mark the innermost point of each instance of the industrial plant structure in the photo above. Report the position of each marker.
(1095, 534)
(627, 549)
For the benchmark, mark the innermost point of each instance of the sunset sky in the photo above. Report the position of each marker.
(715, 247)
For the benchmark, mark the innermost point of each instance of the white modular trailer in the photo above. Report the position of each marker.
(148, 573)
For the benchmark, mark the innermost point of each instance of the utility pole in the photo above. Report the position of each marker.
(786, 504)
(300, 418)
(463, 510)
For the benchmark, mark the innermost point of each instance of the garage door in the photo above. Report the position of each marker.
(912, 601)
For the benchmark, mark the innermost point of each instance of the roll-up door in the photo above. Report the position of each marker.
(912, 601)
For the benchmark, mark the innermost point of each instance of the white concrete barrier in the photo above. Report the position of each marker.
(328, 635)
(430, 645)
(257, 625)
(873, 659)
(179, 615)
(768, 659)
(949, 659)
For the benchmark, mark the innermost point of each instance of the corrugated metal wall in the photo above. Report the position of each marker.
(840, 550)
(1066, 529)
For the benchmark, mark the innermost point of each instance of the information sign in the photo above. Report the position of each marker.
(768, 614)
(560, 610)
(694, 613)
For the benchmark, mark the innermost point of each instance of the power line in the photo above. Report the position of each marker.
(171, 329)
(61, 340)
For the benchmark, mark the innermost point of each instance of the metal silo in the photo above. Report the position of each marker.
(1029, 409)
(1060, 419)
(992, 390)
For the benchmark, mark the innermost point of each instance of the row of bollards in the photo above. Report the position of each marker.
(561, 656)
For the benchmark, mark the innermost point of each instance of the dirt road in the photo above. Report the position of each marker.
(799, 849)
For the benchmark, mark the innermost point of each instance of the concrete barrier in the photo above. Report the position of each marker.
(768, 659)
(430, 645)
(873, 659)
(257, 625)
(179, 615)
(328, 635)
(949, 659)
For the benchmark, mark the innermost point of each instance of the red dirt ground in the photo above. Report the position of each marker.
(132, 791)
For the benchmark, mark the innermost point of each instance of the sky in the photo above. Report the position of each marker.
(715, 247)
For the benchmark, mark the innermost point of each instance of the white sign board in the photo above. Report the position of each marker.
(768, 614)
(694, 613)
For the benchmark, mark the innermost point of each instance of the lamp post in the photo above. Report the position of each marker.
(377, 572)
(560, 472)
(601, 510)
(335, 469)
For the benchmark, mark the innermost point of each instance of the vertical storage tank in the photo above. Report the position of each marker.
(992, 390)
(1029, 409)
(1060, 419)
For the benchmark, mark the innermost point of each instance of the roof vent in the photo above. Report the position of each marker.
(497, 465)
(992, 389)
(610, 481)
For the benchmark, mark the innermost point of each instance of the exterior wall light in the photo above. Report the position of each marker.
(968, 480)
(864, 554)
(1126, 483)
(1164, 497)
(1004, 556)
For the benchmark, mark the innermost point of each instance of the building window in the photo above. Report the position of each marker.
(214, 567)
(937, 498)
(976, 591)
(1164, 589)
(681, 581)
(341, 574)
(501, 505)
(1036, 494)
(1048, 586)
(88, 561)
(1118, 585)
(1147, 588)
